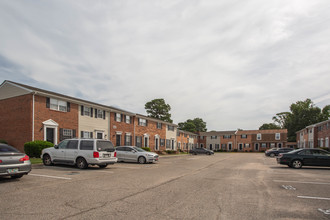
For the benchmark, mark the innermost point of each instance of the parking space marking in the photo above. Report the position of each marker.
(327, 212)
(311, 197)
(289, 181)
(288, 187)
(104, 171)
(55, 177)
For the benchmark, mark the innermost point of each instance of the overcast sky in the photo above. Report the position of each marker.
(233, 63)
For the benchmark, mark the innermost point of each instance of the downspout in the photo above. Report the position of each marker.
(33, 116)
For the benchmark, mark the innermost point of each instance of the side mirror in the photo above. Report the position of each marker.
(133, 151)
(56, 146)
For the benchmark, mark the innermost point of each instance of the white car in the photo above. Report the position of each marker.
(135, 154)
(81, 152)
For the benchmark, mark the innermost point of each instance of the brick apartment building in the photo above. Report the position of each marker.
(243, 140)
(313, 136)
(186, 140)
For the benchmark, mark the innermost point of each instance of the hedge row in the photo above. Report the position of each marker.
(34, 148)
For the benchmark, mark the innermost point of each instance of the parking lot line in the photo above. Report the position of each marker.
(55, 177)
(310, 197)
(288, 181)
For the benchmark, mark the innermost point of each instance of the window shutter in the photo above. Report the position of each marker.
(92, 112)
(146, 123)
(68, 106)
(61, 134)
(122, 117)
(47, 102)
(103, 114)
(95, 113)
(130, 119)
(138, 121)
(115, 114)
(136, 141)
(74, 133)
(125, 142)
(82, 110)
(91, 134)
(81, 134)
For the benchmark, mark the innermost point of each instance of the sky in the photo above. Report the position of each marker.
(233, 63)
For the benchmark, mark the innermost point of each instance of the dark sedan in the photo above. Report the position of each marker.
(276, 151)
(305, 157)
(13, 163)
(201, 151)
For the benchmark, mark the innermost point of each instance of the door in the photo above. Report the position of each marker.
(256, 147)
(321, 158)
(211, 148)
(308, 157)
(157, 144)
(50, 135)
(172, 144)
(59, 152)
(118, 138)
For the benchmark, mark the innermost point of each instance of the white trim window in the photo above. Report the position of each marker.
(99, 113)
(277, 136)
(86, 134)
(214, 137)
(87, 111)
(118, 117)
(128, 119)
(142, 122)
(258, 136)
(58, 105)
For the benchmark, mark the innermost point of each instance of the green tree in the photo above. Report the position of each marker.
(303, 114)
(158, 109)
(269, 126)
(194, 125)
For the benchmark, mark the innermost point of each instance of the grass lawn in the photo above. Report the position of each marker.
(36, 160)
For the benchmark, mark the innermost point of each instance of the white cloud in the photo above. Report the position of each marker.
(233, 63)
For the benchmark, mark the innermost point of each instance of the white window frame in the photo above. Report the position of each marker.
(259, 136)
(118, 117)
(58, 105)
(128, 119)
(277, 136)
(86, 134)
(143, 122)
(99, 113)
(87, 111)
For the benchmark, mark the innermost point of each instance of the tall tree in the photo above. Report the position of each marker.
(195, 125)
(269, 126)
(303, 113)
(158, 109)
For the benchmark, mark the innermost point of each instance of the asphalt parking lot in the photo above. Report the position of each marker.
(221, 186)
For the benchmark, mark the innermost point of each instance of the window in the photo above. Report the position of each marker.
(100, 113)
(168, 144)
(159, 125)
(86, 134)
(128, 119)
(217, 146)
(264, 145)
(58, 105)
(138, 140)
(142, 122)
(87, 111)
(227, 136)
(128, 140)
(214, 137)
(259, 137)
(162, 142)
(170, 128)
(277, 136)
(67, 133)
(63, 144)
(243, 136)
(118, 117)
(86, 145)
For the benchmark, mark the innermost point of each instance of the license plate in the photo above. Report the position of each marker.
(106, 155)
(13, 170)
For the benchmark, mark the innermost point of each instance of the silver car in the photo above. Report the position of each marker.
(81, 152)
(13, 163)
(135, 154)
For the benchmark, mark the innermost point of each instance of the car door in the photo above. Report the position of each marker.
(307, 157)
(71, 151)
(59, 152)
(120, 153)
(131, 154)
(322, 158)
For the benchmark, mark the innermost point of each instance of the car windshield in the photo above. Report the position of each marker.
(7, 148)
(105, 146)
(138, 149)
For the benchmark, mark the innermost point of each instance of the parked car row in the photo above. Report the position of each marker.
(300, 157)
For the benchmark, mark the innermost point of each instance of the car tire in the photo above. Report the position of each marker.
(47, 160)
(81, 163)
(141, 160)
(272, 155)
(194, 153)
(17, 176)
(296, 164)
(103, 166)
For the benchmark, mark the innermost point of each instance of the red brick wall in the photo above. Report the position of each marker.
(151, 130)
(16, 120)
(67, 120)
(244, 142)
(121, 127)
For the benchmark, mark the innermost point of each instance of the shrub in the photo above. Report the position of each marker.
(146, 148)
(171, 152)
(3, 141)
(34, 148)
(235, 150)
